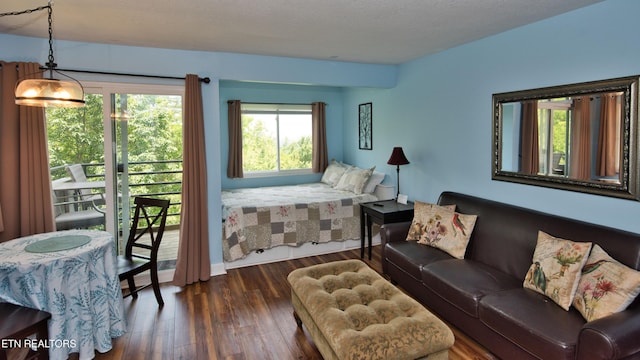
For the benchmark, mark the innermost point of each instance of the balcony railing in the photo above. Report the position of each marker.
(161, 179)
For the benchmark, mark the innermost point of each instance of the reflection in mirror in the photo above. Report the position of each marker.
(577, 137)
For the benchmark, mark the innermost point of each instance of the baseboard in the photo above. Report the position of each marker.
(166, 276)
(283, 253)
(280, 253)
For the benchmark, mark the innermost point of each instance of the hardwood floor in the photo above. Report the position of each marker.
(245, 314)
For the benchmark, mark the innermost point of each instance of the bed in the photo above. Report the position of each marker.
(257, 219)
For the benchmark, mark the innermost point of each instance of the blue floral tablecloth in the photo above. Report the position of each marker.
(78, 286)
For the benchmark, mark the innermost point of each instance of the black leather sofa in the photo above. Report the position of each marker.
(482, 294)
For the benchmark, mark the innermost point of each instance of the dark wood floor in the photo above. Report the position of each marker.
(245, 314)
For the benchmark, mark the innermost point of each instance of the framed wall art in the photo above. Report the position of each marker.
(364, 126)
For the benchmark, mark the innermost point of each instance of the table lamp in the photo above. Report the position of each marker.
(397, 158)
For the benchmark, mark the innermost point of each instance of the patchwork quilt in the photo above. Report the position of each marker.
(261, 218)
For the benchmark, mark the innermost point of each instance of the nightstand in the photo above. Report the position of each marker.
(381, 212)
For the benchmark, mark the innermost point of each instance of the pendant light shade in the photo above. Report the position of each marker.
(49, 92)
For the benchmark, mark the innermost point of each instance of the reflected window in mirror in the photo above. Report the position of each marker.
(579, 137)
(575, 137)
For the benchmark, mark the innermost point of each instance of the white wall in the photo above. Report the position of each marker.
(440, 111)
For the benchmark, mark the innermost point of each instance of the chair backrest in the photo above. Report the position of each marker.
(77, 174)
(149, 219)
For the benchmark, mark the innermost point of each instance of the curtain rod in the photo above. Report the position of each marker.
(205, 80)
(276, 103)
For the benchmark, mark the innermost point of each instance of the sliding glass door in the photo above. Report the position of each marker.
(128, 142)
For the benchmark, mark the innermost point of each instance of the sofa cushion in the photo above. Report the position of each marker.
(556, 267)
(442, 228)
(463, 283)
(606, 286)
(532, 321)
(411, 256)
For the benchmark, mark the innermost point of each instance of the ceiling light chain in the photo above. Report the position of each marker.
(51, 64)
(26, 11)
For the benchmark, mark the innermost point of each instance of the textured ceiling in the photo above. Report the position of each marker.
(368, 31)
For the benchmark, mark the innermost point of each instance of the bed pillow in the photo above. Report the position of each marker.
(556, 267)
(606, 286)
(375, 179)
(333, 173)
(354, 179)
(442, 228)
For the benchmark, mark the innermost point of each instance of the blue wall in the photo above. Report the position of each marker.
(279, 93)
(326, 78)
(440, 111)
(437, 107)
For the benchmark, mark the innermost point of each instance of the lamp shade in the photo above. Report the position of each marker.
(49, 92)
(397, 157)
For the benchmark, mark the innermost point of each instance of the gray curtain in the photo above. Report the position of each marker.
(193, 262)
(608, 163)
(234, 165)
(580, 154)
(529, 151)
(320, 159)
(25, 182)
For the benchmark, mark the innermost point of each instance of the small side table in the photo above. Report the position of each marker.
(381, 212)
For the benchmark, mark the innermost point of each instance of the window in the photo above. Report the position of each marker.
(276, 138)
(553, 124)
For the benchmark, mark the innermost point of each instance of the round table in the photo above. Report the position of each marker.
(79, 286)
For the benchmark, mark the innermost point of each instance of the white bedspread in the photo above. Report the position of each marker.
(260, 218)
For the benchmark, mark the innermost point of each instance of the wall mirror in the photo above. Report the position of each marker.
(581, 137)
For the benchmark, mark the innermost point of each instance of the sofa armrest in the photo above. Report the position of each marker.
(612, 337)
(394, 232)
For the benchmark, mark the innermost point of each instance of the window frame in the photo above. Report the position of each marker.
(277, 109)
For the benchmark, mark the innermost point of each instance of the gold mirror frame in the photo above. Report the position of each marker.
(626, 185)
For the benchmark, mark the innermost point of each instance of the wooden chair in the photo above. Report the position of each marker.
(141, 252)
(19, 322)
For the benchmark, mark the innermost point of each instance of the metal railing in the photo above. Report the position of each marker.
(162, 179)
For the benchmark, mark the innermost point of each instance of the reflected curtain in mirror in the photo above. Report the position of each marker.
(580, 137)
(529, 135)
(609, 139)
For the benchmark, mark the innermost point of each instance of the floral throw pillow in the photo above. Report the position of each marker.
(606, 286)
(556, 266)
(442, 228)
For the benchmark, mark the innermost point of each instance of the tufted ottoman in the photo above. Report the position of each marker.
(352, 312)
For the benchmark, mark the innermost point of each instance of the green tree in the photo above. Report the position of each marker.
(154, 132)
(560, 125)
(259, 146)
(75, 135)
(297, 155)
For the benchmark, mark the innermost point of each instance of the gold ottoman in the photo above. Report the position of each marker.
(352, 312)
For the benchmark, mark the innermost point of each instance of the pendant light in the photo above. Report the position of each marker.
(50, 91)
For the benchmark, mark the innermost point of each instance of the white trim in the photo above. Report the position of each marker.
(283, 253)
